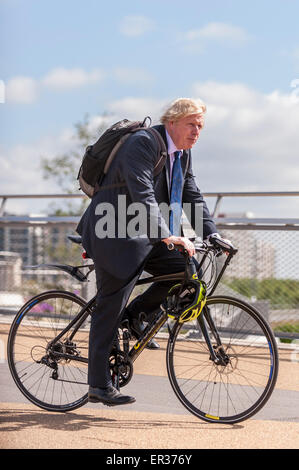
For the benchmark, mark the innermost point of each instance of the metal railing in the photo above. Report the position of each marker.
(265, 272)
(218, 195)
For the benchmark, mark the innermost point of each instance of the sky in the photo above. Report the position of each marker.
(62, 60)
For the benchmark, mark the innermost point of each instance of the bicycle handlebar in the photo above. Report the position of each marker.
(216, 245)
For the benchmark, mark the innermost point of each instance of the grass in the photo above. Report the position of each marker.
(289, 327)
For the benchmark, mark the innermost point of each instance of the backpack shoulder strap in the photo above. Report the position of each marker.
(162, 150)
(160, 160)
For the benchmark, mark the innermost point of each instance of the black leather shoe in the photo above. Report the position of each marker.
(109, 396)
(137, 328)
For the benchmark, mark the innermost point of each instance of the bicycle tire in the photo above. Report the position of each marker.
(50, 383)
(224, 394)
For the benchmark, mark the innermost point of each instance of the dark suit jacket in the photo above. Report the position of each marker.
(130, 180)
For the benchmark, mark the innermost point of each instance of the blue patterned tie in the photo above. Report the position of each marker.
(176, 196)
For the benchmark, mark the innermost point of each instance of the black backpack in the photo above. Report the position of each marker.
(98, 157)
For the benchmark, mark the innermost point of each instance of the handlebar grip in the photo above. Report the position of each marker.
(223, 245)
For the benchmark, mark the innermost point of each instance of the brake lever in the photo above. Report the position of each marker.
(216, 249)
(220, 245)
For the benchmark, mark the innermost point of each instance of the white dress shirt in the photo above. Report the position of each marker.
(171, 150)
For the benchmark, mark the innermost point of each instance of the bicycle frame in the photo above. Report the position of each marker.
(161, 317)
(222, 364)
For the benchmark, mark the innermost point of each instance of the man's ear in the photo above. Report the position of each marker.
(169, 126)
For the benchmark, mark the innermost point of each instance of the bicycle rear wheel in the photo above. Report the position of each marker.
(241, 384)
(39, 367)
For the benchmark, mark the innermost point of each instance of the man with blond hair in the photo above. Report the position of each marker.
(119, 260)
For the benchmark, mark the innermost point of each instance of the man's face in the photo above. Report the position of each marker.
(185, 131)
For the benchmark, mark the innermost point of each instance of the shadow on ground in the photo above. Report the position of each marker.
(14, 420)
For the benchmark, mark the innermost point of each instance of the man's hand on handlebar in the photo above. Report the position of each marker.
(215, 240)
(183, 241)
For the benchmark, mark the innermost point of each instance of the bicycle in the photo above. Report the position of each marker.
(222, 363)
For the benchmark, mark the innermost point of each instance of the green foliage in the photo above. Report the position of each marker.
(65, 253)
(63, 169)
(283, 293)
(289, 327)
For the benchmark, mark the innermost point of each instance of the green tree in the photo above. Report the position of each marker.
(281, 293)
(63, 169)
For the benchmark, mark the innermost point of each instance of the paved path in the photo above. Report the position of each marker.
(27, 427)
(154, 394)
(156, 421)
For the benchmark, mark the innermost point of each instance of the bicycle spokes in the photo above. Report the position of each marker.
(223, 366)
(48, 351)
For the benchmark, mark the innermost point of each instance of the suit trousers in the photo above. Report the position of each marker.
(112, 297)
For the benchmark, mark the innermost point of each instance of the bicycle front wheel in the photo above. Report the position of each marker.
(236, 387)
(51, 374)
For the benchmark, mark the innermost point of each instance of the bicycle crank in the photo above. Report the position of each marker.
(121, 368)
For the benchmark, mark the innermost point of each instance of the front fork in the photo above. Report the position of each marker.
(217, 353)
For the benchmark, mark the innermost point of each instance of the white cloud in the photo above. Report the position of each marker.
(250, 140)
(136, 108)
(21, 90)
(136, 25)
(61, 78)
(2, 91)
(295, 90)
(21, 172)
(196, 40)
(223, 31)
(132, 75)
(295, 57)
(227, 94)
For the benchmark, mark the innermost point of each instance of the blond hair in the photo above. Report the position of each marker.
(182, 107)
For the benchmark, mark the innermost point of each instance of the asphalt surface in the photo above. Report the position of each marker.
(154, 395)
(155, 421)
